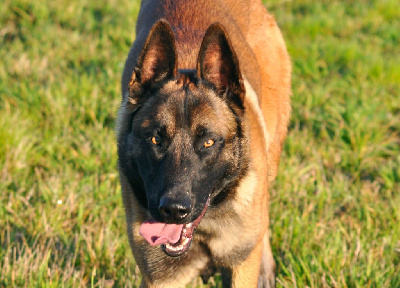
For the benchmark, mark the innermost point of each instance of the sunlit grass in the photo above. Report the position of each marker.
(334, 207)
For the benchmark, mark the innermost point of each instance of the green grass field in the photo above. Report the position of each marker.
(335, 206)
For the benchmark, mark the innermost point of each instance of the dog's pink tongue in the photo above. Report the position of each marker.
(157, 233)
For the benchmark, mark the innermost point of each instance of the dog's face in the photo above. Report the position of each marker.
(183, 135)
(184, 138)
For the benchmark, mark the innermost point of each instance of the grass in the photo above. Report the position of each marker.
(335, 205)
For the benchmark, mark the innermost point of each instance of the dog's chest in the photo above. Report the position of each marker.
(227, 239)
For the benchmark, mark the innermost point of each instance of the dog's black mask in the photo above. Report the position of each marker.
(183, 134)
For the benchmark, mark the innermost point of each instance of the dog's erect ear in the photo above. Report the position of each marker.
(217, 62)
(158, 60)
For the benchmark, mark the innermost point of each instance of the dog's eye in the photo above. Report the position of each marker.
(155, 140)
(208, 143)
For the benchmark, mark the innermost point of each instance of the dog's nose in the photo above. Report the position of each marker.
(174, 210)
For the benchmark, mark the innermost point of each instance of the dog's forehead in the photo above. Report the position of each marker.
(190, 106)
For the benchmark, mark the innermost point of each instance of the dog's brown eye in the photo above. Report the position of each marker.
(208, 143)
(155, 140)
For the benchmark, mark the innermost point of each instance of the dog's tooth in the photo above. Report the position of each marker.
(185, 241)
(175, 249)
(189, 225)
(170, 247)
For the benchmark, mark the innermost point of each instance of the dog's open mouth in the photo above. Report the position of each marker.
(175, 239)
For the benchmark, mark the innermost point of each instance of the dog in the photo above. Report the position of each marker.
(204, 112)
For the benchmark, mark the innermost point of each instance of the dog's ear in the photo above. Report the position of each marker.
(158, 59)
(218, 64)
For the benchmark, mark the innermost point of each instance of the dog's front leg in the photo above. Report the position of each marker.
(246, 274)
(267, 269)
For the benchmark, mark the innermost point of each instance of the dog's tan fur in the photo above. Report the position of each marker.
(243, 220)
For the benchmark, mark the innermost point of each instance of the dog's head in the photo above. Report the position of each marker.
(183, 141)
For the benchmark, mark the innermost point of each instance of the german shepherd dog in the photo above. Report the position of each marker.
(205, 108)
